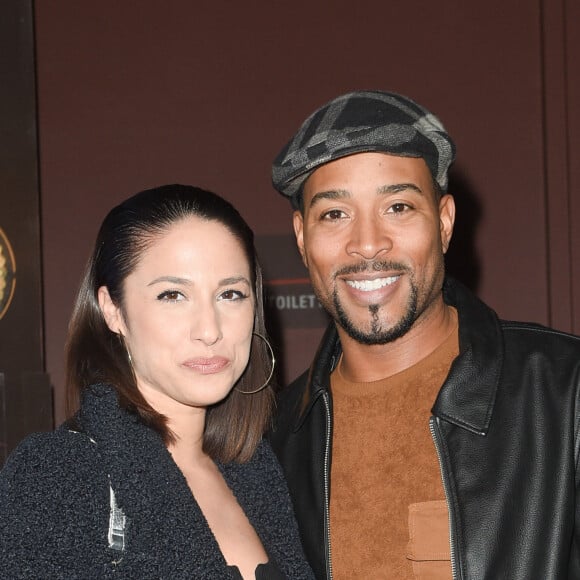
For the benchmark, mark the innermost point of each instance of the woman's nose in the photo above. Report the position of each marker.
(207, 327)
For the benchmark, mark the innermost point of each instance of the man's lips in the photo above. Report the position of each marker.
(207, 365)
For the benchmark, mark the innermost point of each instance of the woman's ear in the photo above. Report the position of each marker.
(111, 313)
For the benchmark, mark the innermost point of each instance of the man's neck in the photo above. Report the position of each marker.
(363, 363)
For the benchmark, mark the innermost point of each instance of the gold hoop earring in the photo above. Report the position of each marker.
(124, 345)
(272, 357)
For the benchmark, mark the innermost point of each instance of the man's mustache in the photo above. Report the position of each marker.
(372, 266)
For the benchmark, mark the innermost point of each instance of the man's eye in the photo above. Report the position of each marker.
(333, 214)
(170, 296)
(398, 208)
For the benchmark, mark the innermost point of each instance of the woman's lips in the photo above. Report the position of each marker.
(207, 366)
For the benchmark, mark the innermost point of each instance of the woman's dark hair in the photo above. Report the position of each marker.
(94, 354)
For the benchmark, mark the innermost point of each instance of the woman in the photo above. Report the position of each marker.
(163, 472)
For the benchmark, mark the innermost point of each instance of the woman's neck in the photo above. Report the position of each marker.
(188, 428)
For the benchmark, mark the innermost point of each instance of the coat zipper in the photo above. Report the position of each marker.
(447, 494)
(327, 490)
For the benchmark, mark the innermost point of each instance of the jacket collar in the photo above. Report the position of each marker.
(468, 394)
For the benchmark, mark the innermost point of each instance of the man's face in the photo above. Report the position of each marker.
(373, 236)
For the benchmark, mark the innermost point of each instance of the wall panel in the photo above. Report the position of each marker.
(25, 393)
(206, 93)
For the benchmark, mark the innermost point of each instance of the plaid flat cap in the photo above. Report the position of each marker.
(359, 122)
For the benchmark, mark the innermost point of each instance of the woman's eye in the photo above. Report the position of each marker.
(170, 296)
(232, 295)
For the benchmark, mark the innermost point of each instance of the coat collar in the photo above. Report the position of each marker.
(468, 394)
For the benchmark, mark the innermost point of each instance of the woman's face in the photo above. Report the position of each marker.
(188, 315)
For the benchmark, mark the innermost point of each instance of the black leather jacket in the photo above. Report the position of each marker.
(505, 425)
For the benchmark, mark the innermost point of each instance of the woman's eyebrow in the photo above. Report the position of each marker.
(171, 279)
(234, 280)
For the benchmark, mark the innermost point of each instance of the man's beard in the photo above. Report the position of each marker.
(377, 334)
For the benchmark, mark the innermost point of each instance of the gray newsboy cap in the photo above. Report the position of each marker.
(359, 122)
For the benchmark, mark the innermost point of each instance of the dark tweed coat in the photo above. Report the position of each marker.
(55, 505)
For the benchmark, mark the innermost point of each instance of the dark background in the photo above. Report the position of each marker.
(129, 95)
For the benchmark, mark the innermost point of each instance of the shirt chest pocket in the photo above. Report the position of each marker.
(428, 548)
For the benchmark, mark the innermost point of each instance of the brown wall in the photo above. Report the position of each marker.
(22, 377)
(135, 94)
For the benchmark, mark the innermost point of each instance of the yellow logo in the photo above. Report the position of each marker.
(7, 273)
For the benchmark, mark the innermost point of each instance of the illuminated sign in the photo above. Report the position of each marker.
(287, 290)
(7, 273)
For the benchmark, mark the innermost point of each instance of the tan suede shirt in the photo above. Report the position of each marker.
(388, 515)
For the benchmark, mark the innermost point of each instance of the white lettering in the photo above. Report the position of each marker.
(294, 302)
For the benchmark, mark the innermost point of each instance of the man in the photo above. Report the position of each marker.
(429, 439)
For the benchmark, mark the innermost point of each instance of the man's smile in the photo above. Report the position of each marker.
(370, 285)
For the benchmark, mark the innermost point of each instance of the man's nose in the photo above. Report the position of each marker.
(369, 238)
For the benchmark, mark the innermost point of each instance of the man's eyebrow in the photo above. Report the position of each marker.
(330, 194)
(398, 187)
(334, 194)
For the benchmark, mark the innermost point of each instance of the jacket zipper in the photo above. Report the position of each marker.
(327, 490)
(444, 478)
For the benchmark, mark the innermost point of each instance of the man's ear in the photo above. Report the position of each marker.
(111, 313)
(298, 222)
(446, 220)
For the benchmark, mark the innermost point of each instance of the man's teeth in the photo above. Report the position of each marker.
(368, 285)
